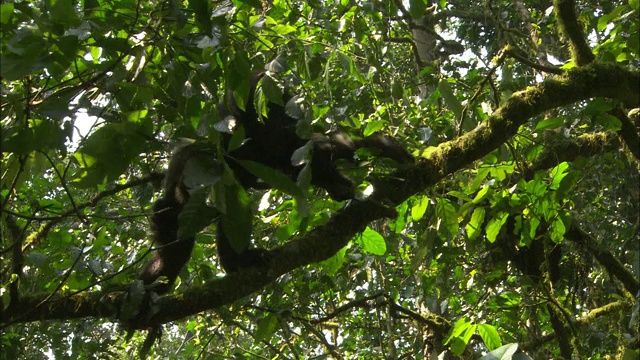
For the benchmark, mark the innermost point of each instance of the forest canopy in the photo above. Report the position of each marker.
(513, 235)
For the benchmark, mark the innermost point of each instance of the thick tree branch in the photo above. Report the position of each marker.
(596, 80)
(583, 321)
(44, 230)
(605, 258)
(628, 132)
(561, 149)
(568, 21)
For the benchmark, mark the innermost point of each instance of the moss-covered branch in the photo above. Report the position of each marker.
(596, 80)
(557, 150)
(568, 22)
(605, 258)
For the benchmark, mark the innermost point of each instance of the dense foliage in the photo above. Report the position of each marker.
(514, 234)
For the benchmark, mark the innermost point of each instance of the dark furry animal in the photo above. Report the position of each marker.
(270, 141)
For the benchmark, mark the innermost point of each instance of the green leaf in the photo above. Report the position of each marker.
(461, 333)
(450, 98)
(256, 4)
(489, 336)
(13, 67)
(266, 328)
(334, 263)
(196, 215)
(272, 91)
(6, 10)
(557, 174)
(419, 207)
(64, 12)
(372, 127)
(238, 82)
(237, 138)
(529, 230)
(474, 226)
(606, 19)
(495, 224)
(460, 326)
(598, 106)
(372, 242)
(502, 353)
(282, 29)
(558, 230)
(237, 222)
(609, 121)
(57, 106)
(417, 8)
(484, 193)
(40, 134)
(107, 153)
(201, 10)
(272, 177)
(551, 123)
(448, 216)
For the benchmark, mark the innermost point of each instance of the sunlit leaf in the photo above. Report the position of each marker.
(372, 242)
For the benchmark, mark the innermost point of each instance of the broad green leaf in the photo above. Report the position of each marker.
(546, 207)
(505, 352)
(537, 187)
(461, 333)
(448, 217)
(474, 226)
(266, 328)
(459, 194)
(450, 98)
(57, 106)
(461, 325)
(109, 151)
(468, 333)
(606, 19)
(610, 122)
(489, 336)
(558, 173)
(534, 222)
(272, 91)
(551, 123)
(237, 222)
(6, 10)
(417, 8)
(64, 12)
(372, 127)
(419, 207)
(598, 106)
(482, 173)
(484, 193)
(272, 177)
(40, 134)
(494, 226)
(334, 263)
(284, 29)
(372, 242)
(202, 13)
(558, 230)
(196, 215)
